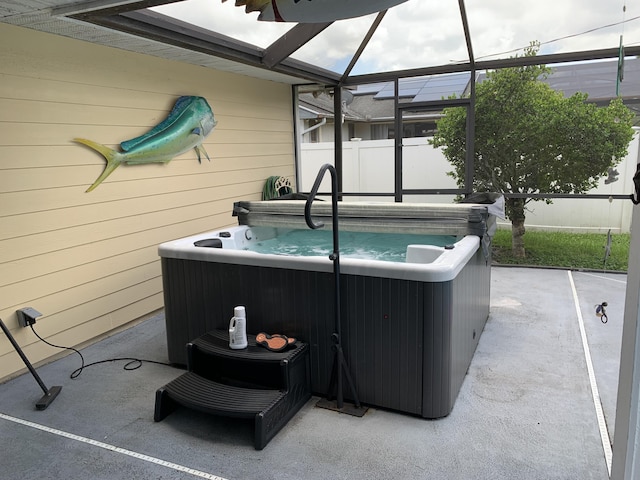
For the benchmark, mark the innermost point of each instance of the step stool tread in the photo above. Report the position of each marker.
(194, 391)
(216, 342)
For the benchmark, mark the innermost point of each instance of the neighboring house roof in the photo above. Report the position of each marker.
(374, 102)
(598, 79)
(361, 108)
(322, 104)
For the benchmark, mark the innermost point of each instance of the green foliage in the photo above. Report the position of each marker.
(565, 250)
(530, 139)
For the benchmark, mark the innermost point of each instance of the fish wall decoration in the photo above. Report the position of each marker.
(313, 11)
(187, 125)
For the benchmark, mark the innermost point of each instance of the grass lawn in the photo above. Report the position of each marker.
(566, 250)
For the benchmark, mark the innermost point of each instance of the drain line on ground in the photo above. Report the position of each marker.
(602, 424)
(112, 448)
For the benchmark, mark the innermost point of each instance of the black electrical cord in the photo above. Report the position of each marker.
(132, 363)
(601, 312)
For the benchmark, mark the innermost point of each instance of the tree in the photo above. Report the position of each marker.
(530, 139)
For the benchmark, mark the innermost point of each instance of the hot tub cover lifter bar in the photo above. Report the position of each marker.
(419, 218)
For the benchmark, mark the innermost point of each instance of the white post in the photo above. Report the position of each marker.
(626, 445)
(357, 167)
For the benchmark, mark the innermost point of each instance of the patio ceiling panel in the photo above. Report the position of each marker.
(54, 16)
(166, 30)
(291, 41)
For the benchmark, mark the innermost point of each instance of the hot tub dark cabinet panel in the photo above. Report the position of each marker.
(408, 344)
(382, 338)
(457, 313)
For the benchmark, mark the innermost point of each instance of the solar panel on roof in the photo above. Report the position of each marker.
(423, 88)
(407, 92)
(443, 86)
(370, 88)
(595, 78)
(406, 88)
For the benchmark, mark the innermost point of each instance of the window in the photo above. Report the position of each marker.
(381, 131)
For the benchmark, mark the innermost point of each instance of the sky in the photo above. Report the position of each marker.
(422, 33)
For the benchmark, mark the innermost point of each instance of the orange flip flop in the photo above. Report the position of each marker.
(275, 342)
(291, 340)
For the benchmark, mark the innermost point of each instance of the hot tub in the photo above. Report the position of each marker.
(409, 329)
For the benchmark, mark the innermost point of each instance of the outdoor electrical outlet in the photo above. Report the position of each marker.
(27, 316)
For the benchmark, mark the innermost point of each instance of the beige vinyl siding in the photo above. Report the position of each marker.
(88, 261)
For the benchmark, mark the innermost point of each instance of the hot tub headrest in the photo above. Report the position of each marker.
(208, 242)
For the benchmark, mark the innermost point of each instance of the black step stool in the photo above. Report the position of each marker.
(249, 383)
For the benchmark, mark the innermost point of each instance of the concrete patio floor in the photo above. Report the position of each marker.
(525, 410)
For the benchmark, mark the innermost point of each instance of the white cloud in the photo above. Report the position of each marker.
(418, 33)
(499, 25)
(227, 19)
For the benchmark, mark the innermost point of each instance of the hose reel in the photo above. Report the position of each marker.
(275, 187)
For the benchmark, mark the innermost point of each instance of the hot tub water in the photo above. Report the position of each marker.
(388, 247)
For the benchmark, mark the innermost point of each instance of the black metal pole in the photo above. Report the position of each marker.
(397, 141)
(49, 394)
(337, 141)
(471, 109)
(335, 258)
(339, 362)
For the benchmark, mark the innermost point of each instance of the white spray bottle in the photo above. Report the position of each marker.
(238, 329)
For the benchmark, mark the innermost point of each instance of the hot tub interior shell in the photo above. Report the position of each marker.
(408, 343)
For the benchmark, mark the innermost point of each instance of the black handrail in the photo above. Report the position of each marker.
(339, 361)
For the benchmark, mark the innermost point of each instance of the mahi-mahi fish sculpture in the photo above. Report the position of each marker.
(313, 11)
(187, 125)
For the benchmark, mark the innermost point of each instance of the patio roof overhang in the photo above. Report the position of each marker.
(134, 19)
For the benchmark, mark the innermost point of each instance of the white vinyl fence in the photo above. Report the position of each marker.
(368, 167)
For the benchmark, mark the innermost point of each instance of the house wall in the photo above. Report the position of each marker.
(88, 261)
